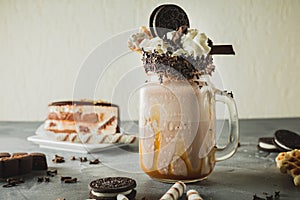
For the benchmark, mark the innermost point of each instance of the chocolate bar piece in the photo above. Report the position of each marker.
(222, 50)
(20, 163)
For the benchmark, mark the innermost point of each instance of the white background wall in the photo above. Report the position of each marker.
(43, 44)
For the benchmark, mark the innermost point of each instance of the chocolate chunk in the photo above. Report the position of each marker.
(25, 163)
(166, 18)
(9, 167)
(39, 161)
(222, 50)
(47, 179)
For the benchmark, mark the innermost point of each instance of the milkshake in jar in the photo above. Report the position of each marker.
(177, 115)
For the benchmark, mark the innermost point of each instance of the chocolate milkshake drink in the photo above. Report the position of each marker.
(177, 117)
(177, 130)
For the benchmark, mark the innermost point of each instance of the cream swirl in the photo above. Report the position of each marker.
(193, 43)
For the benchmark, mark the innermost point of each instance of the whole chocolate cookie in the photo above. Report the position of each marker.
(287, 140)
(108, 188)
(165, 18)
(267, 144)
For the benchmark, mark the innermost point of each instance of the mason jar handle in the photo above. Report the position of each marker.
(233, 140)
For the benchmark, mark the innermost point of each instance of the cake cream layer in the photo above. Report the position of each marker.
(63, 126)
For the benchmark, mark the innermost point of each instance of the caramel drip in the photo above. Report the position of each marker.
(187, 162)
(155, 119)
(206, 166)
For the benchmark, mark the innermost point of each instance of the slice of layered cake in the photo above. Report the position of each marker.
(82, 117)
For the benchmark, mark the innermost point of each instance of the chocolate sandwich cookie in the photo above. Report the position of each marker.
(267, 144)
(287, 140)
(165, 18)
(108, 188)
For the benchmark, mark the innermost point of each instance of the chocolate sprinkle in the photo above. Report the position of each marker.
(11, 182)
(84, 159)
(94, 162)
(71, 180)
(63, 178)
(40, 179)
(255, 197)
(58, 159)
(73, 158)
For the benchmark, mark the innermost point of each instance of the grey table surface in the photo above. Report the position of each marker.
(247, 173)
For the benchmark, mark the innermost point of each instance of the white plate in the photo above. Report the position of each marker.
(68, 146)
(44, 140)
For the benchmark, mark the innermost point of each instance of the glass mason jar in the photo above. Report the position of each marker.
(177, 128)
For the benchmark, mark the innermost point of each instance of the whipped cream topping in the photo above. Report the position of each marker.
(193, 43)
